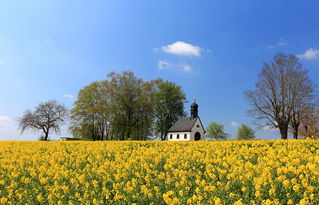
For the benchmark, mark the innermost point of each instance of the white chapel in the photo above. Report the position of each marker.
(187, 128)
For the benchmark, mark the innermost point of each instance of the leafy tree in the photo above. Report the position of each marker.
(90, 114)
(244, 132)
(47, 116)
(216, 131)
(124, 107)
(282, 91)
(147, 113)
(131, 106)
(169, 106)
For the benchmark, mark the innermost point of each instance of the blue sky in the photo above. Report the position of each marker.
(213, 49)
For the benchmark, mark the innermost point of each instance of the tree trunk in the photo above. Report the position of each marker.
(163, 136)
(296, 131)
(46, 136)
(283, 132)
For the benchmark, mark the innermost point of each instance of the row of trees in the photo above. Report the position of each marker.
(216, 131)
(125, 107)
(121, 107)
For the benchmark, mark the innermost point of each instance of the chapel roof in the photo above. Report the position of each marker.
(184, 124)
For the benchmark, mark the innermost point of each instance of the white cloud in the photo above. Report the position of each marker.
(163, 65)
(234, 124)
(310, 54)
(5, 118)
(68, 96)
(186, 68)
(270, 46)
(5, 121)
(282, 42)
(182, 48)
(269, 128)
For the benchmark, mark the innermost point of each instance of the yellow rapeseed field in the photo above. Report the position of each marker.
(228, 172)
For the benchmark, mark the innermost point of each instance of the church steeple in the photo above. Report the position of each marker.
(194, 110)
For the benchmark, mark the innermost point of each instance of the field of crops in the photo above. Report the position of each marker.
(229, 172)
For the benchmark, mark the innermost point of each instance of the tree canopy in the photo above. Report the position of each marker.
(47, 116)
(125, 107)
(244, 132)
(216, 131)
(169, 100)
(90, 114)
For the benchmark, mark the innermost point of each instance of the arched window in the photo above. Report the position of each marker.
(185, 136)
(171, 136)
(177, 136)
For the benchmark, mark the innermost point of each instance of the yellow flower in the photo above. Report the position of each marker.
(239, 202)
(232, 195)
(286, 183)
(194, 198)
(3, 200)
(272, 191)
(296, 188)
(304, 202)
(217, 201)
(95, 202)
(243, 189)
(257, 194)
(166, 197)
(40, 198)
(267, 202)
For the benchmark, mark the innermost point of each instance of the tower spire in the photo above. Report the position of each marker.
(194, 109)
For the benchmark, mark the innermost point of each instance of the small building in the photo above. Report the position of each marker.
(187, 128)
(68, 139)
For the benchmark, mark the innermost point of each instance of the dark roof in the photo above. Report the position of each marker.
(184, 124)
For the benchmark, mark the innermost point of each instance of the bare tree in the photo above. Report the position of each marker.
(46, 117)
(309, 126)
(304, 100)
(282, 90)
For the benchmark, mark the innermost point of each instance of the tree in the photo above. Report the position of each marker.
(90, 114)
(304, 105)
(46, 117)
(244, 132)
(131, 106)
(282, 90)
(216, 131)
(309, 126)
(169, 106)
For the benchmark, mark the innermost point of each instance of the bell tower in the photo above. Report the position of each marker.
(194, 110)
